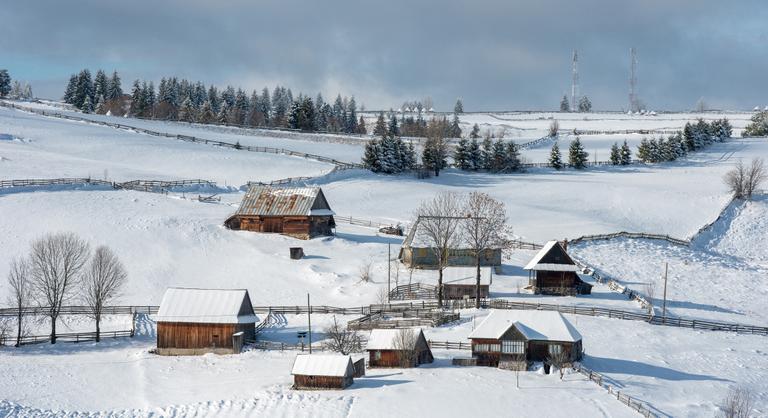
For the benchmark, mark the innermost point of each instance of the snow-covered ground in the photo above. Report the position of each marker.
(175, 240)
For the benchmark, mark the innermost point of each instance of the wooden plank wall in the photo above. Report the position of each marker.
(192, 335)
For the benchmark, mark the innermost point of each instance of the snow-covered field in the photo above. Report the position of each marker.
(175, 240)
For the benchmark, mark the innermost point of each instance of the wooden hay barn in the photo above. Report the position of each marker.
(417, 252)
(384, 351)
(198, 321)
(553, 272)
(300, 212)
(513, 339)
(322, 371)
(461, 282)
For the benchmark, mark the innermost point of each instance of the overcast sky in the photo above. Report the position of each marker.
(494, 54)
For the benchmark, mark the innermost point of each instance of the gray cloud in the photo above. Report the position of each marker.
(494, 54)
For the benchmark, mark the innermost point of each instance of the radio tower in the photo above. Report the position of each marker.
(633, 102)
(575, 82)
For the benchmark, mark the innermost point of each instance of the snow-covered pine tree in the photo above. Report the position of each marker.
(69, 92)
(380, 129)
(486, 154)
(626, 154)
(577, 157)
(474, 155)
(653, 150)
(701, 134)
(266, 106)
(136, 99)
(564, 104)
(409, 157)
(150, 99)
(499, 156)
(555, 159)
(27, 92)
(351, 122)
(206, 113)
(643, 151)
(221, 117)
(758, 125)
(392, 129)
(87, 105)
(84, 90)
(388, 155)
(459, 107)
(584, 104)
(5, 83)
(186, 111)
(688, 137)
(615, 154)
(371, 157)
(100, 85)
(101, 107)
(512, 158)
(475, 134)
(455, 126)
(460, 159)
(361, 129)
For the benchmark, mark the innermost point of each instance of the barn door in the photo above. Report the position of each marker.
(273, 225)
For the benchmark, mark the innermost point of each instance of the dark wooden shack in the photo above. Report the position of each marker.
(418, 252)
(322, 371)
(514, 339)
(461, 282)
(300, 212)
(385, 351)
(197, 321)
(553, 272)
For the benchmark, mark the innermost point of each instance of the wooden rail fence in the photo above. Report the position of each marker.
(73, 337)
(639, 406)
(137, 185)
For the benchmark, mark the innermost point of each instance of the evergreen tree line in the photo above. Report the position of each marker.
(758, 125)
(493, 156)
(99, 94)
(388, 154)
(693, 137)
(577, 156)
(584, 104)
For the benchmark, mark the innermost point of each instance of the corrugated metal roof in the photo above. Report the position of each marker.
(332, 365)
(384, 339)
(262, 200)
(208, 306)
(534, 325)
(535, 264)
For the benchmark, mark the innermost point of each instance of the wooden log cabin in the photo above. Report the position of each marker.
(417, 251)
(553, 272)
(198, 321)
(322, 371)
(514, 339)
(461, 282)
(300, 212)
(385, 351)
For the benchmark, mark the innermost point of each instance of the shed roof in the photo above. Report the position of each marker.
(534, 325)
(466, 275)
(417, 237)
(384, 339)
(263, 200)
(208, 306)
(543, 260)
(332, 365)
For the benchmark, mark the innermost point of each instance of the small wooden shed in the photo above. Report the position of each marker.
(417, 251)
(198, 321)
(519, 337)
(461, 282)
(322, 371)
(553, 272)
(300, 212)
(384, 351)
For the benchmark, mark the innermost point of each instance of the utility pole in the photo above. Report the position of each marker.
(309, 322)
(389, 270)
(664, 304)
(575, 82)
(634, 104)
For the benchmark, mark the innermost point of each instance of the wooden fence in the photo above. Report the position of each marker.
(413, 291)
(639, 406)
(450, 345)
(73, 337)
(633, 235)
(136, 185)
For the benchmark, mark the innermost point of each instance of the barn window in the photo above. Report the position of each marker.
(554, 349)
(487, 348)
(377, 355)
(512, 347)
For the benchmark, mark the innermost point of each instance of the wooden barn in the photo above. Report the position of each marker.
(417, 252)
(553, 272)
(461, 282)
(300, 212)
(322, 371)
(514, 339)
(198, 321)
(384, 351)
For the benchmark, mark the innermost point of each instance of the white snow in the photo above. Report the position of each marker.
(534, 325)
(322, 365)
(207, 306)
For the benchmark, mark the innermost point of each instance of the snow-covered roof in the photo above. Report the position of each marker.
(466, 275)
(263, 200)
(209, 306)
(534, 325)
(417, 237)
(537, 264)
(332, 365)
(384, 339)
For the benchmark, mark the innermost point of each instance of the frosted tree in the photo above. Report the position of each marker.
(555, 159)
(435, 147)
(87, 106)
(564, 104)
(186, 111)
(584, 104)
(474, 155)
(5, 83)
(459, 107)
(371, 156)
(100, 85)
(577, 157)
(498, 156)
(486, 154)
(380, 129)
(512, 157)
(455, 127)
(101, 106)
(626, 154)
(758, 125)
(475, 133)
(206, 113)
(69, 92)
(460, 158)
(615, 154)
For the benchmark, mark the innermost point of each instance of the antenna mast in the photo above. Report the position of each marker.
(575, 81)
(634, 105)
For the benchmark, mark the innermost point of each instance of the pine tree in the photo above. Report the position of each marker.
(87, 105)
(84, 90)
(512, 160)
(555, 159)
(475, 134)
(474, 155)
(206, 113)
(643, 151)
(5, 83)
(615, 154)
(626, 154)
(150, 100)
(584, 104)
(371, 157)
(486, 154)
(381, 125)
(351, 120)
(688, 137)
(361, 129)
(499, 156)
(564, 104)
(223, 114)
(459, 107)
(392, 129)
(101, 107)
(69, 93)
(577, 157)
(100, 85)
(186, 111)
(455, 126)
(460, 158)
(136, 100)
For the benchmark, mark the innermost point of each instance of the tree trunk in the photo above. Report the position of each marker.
(53, 330)
(477, 295)
(98, 329)
(440, 288)
(18, 333)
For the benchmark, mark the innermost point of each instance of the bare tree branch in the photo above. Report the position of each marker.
(342, 340)
(405, 344)
(739, 403)
(102, 282)
(484, 230)
(20, 281)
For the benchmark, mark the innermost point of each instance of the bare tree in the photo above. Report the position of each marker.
(365, 271)
(439, 221)
(743, 181)
(20, 281)
(554, 127)
(650, 293)
(342, 340)
(5, 330)
(485, 229)
(559, 360)
(102, 282)
(57, 262)
(738, 403)
(382, 296)
(405, 344)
